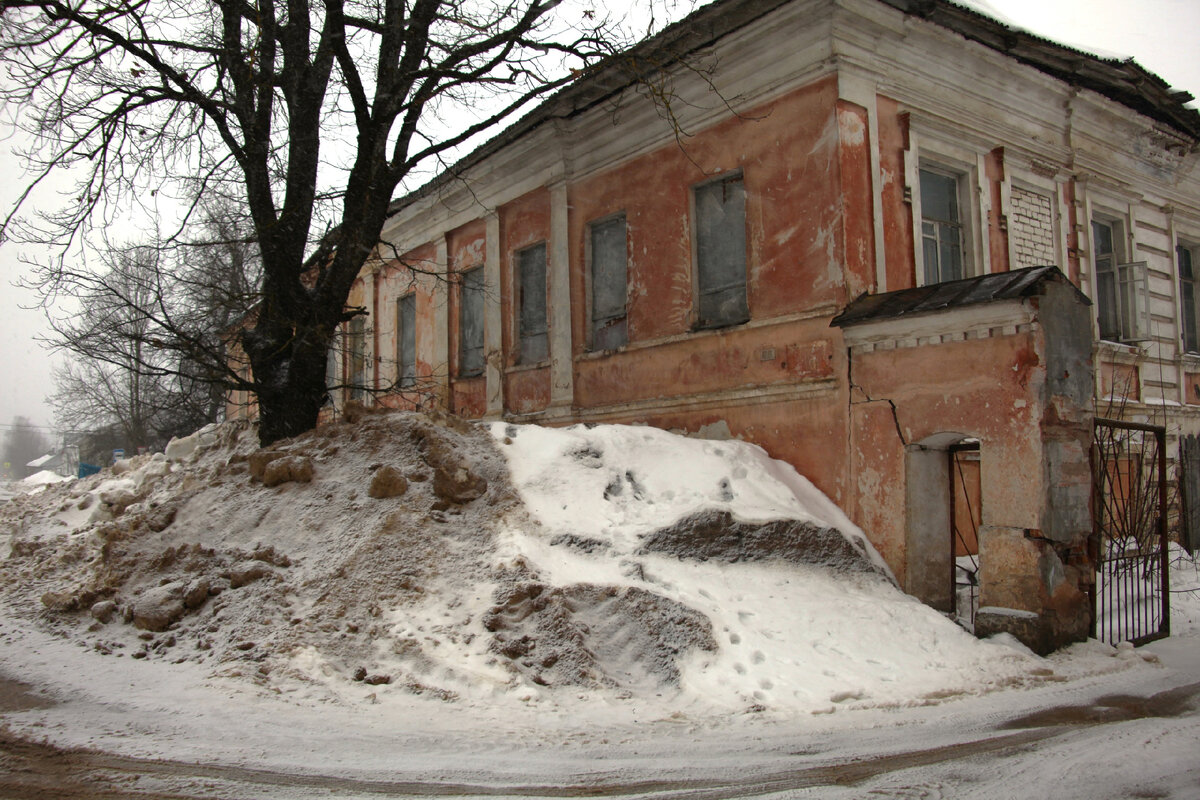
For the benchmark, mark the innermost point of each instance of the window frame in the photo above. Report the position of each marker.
(1122, 301)
(612, 328)
(742, 313)
(929, 149)
(403, 364)
(1188, 344)
(466, 278)
(961, 225)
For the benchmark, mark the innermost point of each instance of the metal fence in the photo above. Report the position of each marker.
(1129, 545)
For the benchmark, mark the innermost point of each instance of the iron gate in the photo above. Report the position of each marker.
(1129, 543)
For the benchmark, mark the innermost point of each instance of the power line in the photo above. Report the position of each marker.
(10, 426)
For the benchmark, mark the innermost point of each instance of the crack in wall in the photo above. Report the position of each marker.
(852, 386)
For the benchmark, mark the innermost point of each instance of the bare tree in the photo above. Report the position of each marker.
(146, 349)
(23, 442)
(315, 113)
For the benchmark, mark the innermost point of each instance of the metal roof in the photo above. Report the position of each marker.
(1014, 285)
(1122, 80)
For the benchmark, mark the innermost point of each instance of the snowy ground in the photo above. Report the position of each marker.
(611, 610)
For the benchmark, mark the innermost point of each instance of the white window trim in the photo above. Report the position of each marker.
(930, 153)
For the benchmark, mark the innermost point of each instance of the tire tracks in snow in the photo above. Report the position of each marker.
(38, 769)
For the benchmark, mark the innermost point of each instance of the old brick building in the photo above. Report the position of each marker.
(866, 242)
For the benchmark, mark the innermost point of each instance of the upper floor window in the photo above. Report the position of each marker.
(356, 358)
(406, 341)
(609, 276)
(531, 294)
(1187, 298)
(943, 234)
(1122, 298)
(470, 323)
(721, 253)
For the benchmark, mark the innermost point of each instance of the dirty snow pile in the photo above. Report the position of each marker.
(411, 558)
(39, 479)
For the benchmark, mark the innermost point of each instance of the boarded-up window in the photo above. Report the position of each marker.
(1031, 228)
(406, 340)
(721, 253)
(531, 290)
(609, 272)
(470, 324)
(356, 358)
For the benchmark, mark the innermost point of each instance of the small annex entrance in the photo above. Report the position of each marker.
(1131, 597)
(971, 406)
(966, 516)
(944, 511)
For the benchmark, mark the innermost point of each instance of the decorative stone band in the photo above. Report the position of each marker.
(929, 340)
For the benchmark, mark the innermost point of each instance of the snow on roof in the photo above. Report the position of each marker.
(42, 460)
(986, 9)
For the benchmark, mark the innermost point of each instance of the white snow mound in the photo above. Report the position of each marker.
(419, 559)
(40, 479)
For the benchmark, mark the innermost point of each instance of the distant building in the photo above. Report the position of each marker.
(64, 462)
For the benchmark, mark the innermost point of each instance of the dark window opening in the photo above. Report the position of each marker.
(721, 253)
(470, 324)
(531, 291)
(406, 341)
(1187, 300)
(356, 361)
(609, 276)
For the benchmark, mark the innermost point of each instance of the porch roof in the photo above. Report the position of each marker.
(1013, 285)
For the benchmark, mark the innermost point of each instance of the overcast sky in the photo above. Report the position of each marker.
(1160, 34)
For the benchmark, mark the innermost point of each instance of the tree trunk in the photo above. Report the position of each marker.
(287, 413)
(290, 378)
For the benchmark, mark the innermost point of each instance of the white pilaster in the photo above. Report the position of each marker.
(562, 390)
(493, 320)
(439, 349)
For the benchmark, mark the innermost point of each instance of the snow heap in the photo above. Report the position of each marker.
(422, 559)
(38, 480)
